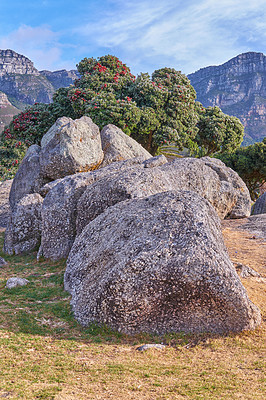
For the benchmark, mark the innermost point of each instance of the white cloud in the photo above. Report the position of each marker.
(189, 33)
(39, 43)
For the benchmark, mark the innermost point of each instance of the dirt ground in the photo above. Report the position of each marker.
(246, 247)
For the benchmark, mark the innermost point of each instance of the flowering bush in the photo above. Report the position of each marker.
(155, 111)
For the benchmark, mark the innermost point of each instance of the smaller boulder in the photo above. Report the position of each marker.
(260, 205)
(24, 229)
(146, 347)
(155, 161)
(245, 271)
(70, 146)
(15, 282)
(2, 262)
(118, 146)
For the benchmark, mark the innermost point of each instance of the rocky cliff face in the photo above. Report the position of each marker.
(7, 111)
(21, 84)
(238, 87)
(61, 78)
(13, 63)
(24, 84)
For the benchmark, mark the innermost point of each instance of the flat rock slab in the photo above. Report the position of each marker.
(155, 346)
(256, 224)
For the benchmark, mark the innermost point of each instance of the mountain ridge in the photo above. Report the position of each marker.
(238, 87)
(24, 85)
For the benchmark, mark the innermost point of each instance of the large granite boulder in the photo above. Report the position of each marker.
(242, 207)
(28, 178)
(260, 205)
(23, 233)
(136, 182)
(59, 208)
(157, 264)
(118, 146)
(70, 147)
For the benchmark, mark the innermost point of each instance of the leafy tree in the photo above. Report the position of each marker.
(217, 132)
(249, 163)
(153, 110)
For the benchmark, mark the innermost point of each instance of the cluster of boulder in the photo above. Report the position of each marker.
(141, 235)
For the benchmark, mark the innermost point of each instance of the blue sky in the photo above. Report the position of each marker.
(146, 35)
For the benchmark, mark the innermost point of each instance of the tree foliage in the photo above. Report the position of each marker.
(154, 110)
(217, 132)
(249, 163)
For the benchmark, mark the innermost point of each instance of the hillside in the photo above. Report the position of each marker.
(7, 111)
(238, 87)
(24, 85)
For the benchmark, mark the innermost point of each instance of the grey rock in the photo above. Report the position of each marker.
(15, 282)
(229, 177)
(2, 262)
(5, 209)
(59, 208)
(157, 264)
(156, 346)
(23, 233)
(155, 161)
(28, 178)
(118, 146)
(256, 225)
(70, 146)
(245, 271)
(136, 182)
(260, 205)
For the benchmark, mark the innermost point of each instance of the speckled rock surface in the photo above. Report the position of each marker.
(5, 209)
(118, 146)
(70, 146)
(182, 174)
(256, 224)
(23, 233)
(157, 264)
(59, 208)
(242, 207)
(155, 161)
(260, 205)
(28, 178)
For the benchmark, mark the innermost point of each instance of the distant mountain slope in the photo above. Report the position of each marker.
(7, 111)
(238, 87)
(25, 85)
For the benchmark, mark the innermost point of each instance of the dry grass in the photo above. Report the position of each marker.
(46, 355)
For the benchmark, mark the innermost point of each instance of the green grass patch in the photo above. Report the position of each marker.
(46, 354)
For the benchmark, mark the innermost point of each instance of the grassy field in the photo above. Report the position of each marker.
(45, 354)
